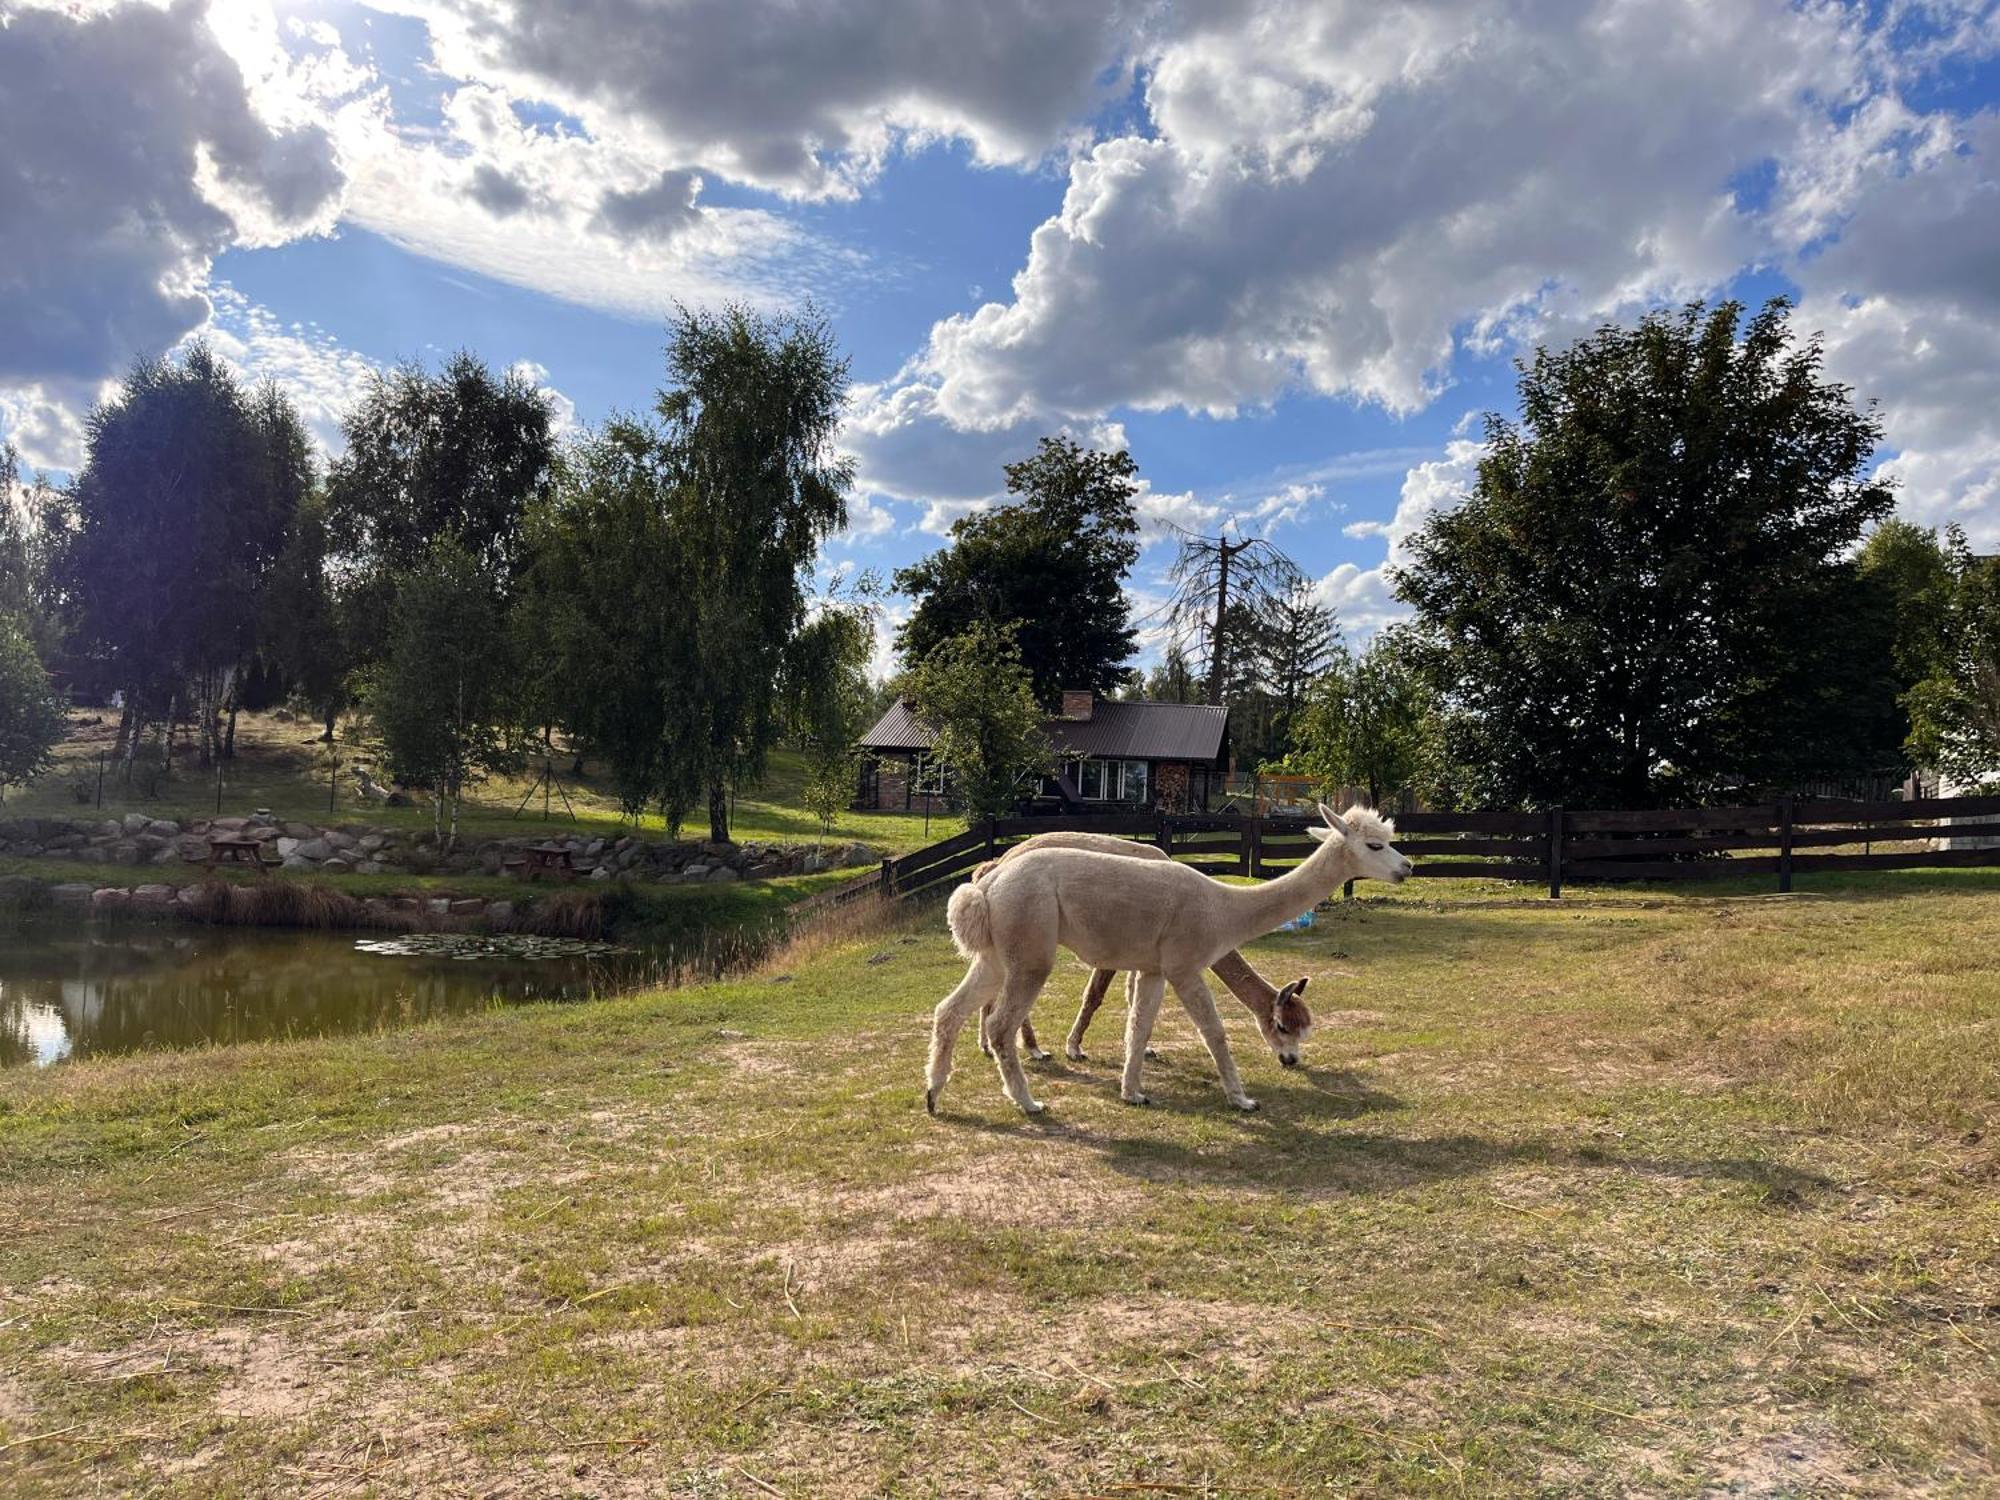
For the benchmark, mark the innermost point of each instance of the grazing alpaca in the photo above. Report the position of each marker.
(1163, 920)
(1281, 1015)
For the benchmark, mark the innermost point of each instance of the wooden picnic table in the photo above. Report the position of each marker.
(547, 859)
(236, 848)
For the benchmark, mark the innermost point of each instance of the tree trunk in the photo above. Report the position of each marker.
(125, 725)
(331, 715)
(718, 812)
(1216, 647)
(235, 701)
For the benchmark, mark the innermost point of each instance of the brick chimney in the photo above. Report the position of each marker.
(1078, 704)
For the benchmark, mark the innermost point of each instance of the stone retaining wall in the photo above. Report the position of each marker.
(138, 839)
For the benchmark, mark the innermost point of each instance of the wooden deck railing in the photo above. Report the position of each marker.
(1555, 847)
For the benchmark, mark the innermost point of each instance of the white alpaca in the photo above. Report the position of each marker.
(1162, 920)
(1282, 1015)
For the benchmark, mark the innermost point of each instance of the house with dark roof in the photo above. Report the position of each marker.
(1113, 756)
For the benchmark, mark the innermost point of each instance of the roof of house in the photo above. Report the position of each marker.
(1140, 731)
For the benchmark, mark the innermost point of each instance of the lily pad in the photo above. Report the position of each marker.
(470, 947)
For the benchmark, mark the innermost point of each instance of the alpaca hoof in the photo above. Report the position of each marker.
(1245, 1104)
(930, 1102)
(1033, 1107)
(1151, 1055)
(1136, 1099)
(1076, 1054)
(1040, 1054)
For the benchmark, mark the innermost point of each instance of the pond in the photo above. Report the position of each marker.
(86, 991)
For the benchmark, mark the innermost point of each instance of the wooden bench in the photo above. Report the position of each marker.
(544, 859)
(238, 849)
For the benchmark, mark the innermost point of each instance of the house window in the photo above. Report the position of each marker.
(1135, 788)
(1091, 779)
(1113, 781)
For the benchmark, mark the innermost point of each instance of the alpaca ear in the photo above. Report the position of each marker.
(1299, 984)
(1334, 820)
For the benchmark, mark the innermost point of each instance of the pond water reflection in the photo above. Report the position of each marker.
(83, 991)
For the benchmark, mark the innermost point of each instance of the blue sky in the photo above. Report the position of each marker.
(1285, 250)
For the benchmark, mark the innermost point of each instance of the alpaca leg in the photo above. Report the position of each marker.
(981, 983)
(985, 1026)
(1199, 1002)
(1093, 997)
(1030, 1046)
(1017, 998)
(1132, 999)
(1150, 989)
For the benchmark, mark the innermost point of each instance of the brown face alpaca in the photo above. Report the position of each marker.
(1291, 1022)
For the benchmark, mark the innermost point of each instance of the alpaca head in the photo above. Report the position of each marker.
(1291, 1022)
(1367, 834)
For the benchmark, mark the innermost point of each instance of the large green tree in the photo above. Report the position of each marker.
(32, 720)
(749, 419)
(1052, 563)
(37, 523)
(1646, 597)
(606, 637)
(445, 697)
(305, 635)
(829, 701)
(187, 493)
(1368, 721)
(457, 455)
(1955, 706)
(666, 576)
(974, 693)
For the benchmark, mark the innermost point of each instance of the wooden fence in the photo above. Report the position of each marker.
(1559, 846)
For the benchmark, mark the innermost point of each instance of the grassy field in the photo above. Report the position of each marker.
(280, 765)
(1635, 1195)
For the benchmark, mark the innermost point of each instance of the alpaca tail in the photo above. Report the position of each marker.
(970, 919)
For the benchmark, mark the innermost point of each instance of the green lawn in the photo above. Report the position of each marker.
(281, 766)
(1644, 1195)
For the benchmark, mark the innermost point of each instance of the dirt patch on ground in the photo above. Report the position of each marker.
(1787, 1464)
(762, 1059)
(1044, 1189)
(267, 1380)
(16, 1410)
(1351, 1019)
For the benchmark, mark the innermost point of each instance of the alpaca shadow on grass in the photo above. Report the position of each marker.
(1294, 1145)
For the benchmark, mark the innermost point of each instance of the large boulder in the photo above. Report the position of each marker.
(314, 850)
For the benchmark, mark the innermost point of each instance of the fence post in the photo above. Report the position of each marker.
(1163, 834)
(888, 878)
(1248, 850)
(1785, 843)
(1555, 853)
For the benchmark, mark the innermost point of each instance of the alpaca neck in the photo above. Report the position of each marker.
(1259, 909)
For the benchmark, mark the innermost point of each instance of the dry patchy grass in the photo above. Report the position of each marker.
(1631, 1196)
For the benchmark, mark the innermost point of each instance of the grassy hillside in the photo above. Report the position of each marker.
(1628, 1196)
(281, 765)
